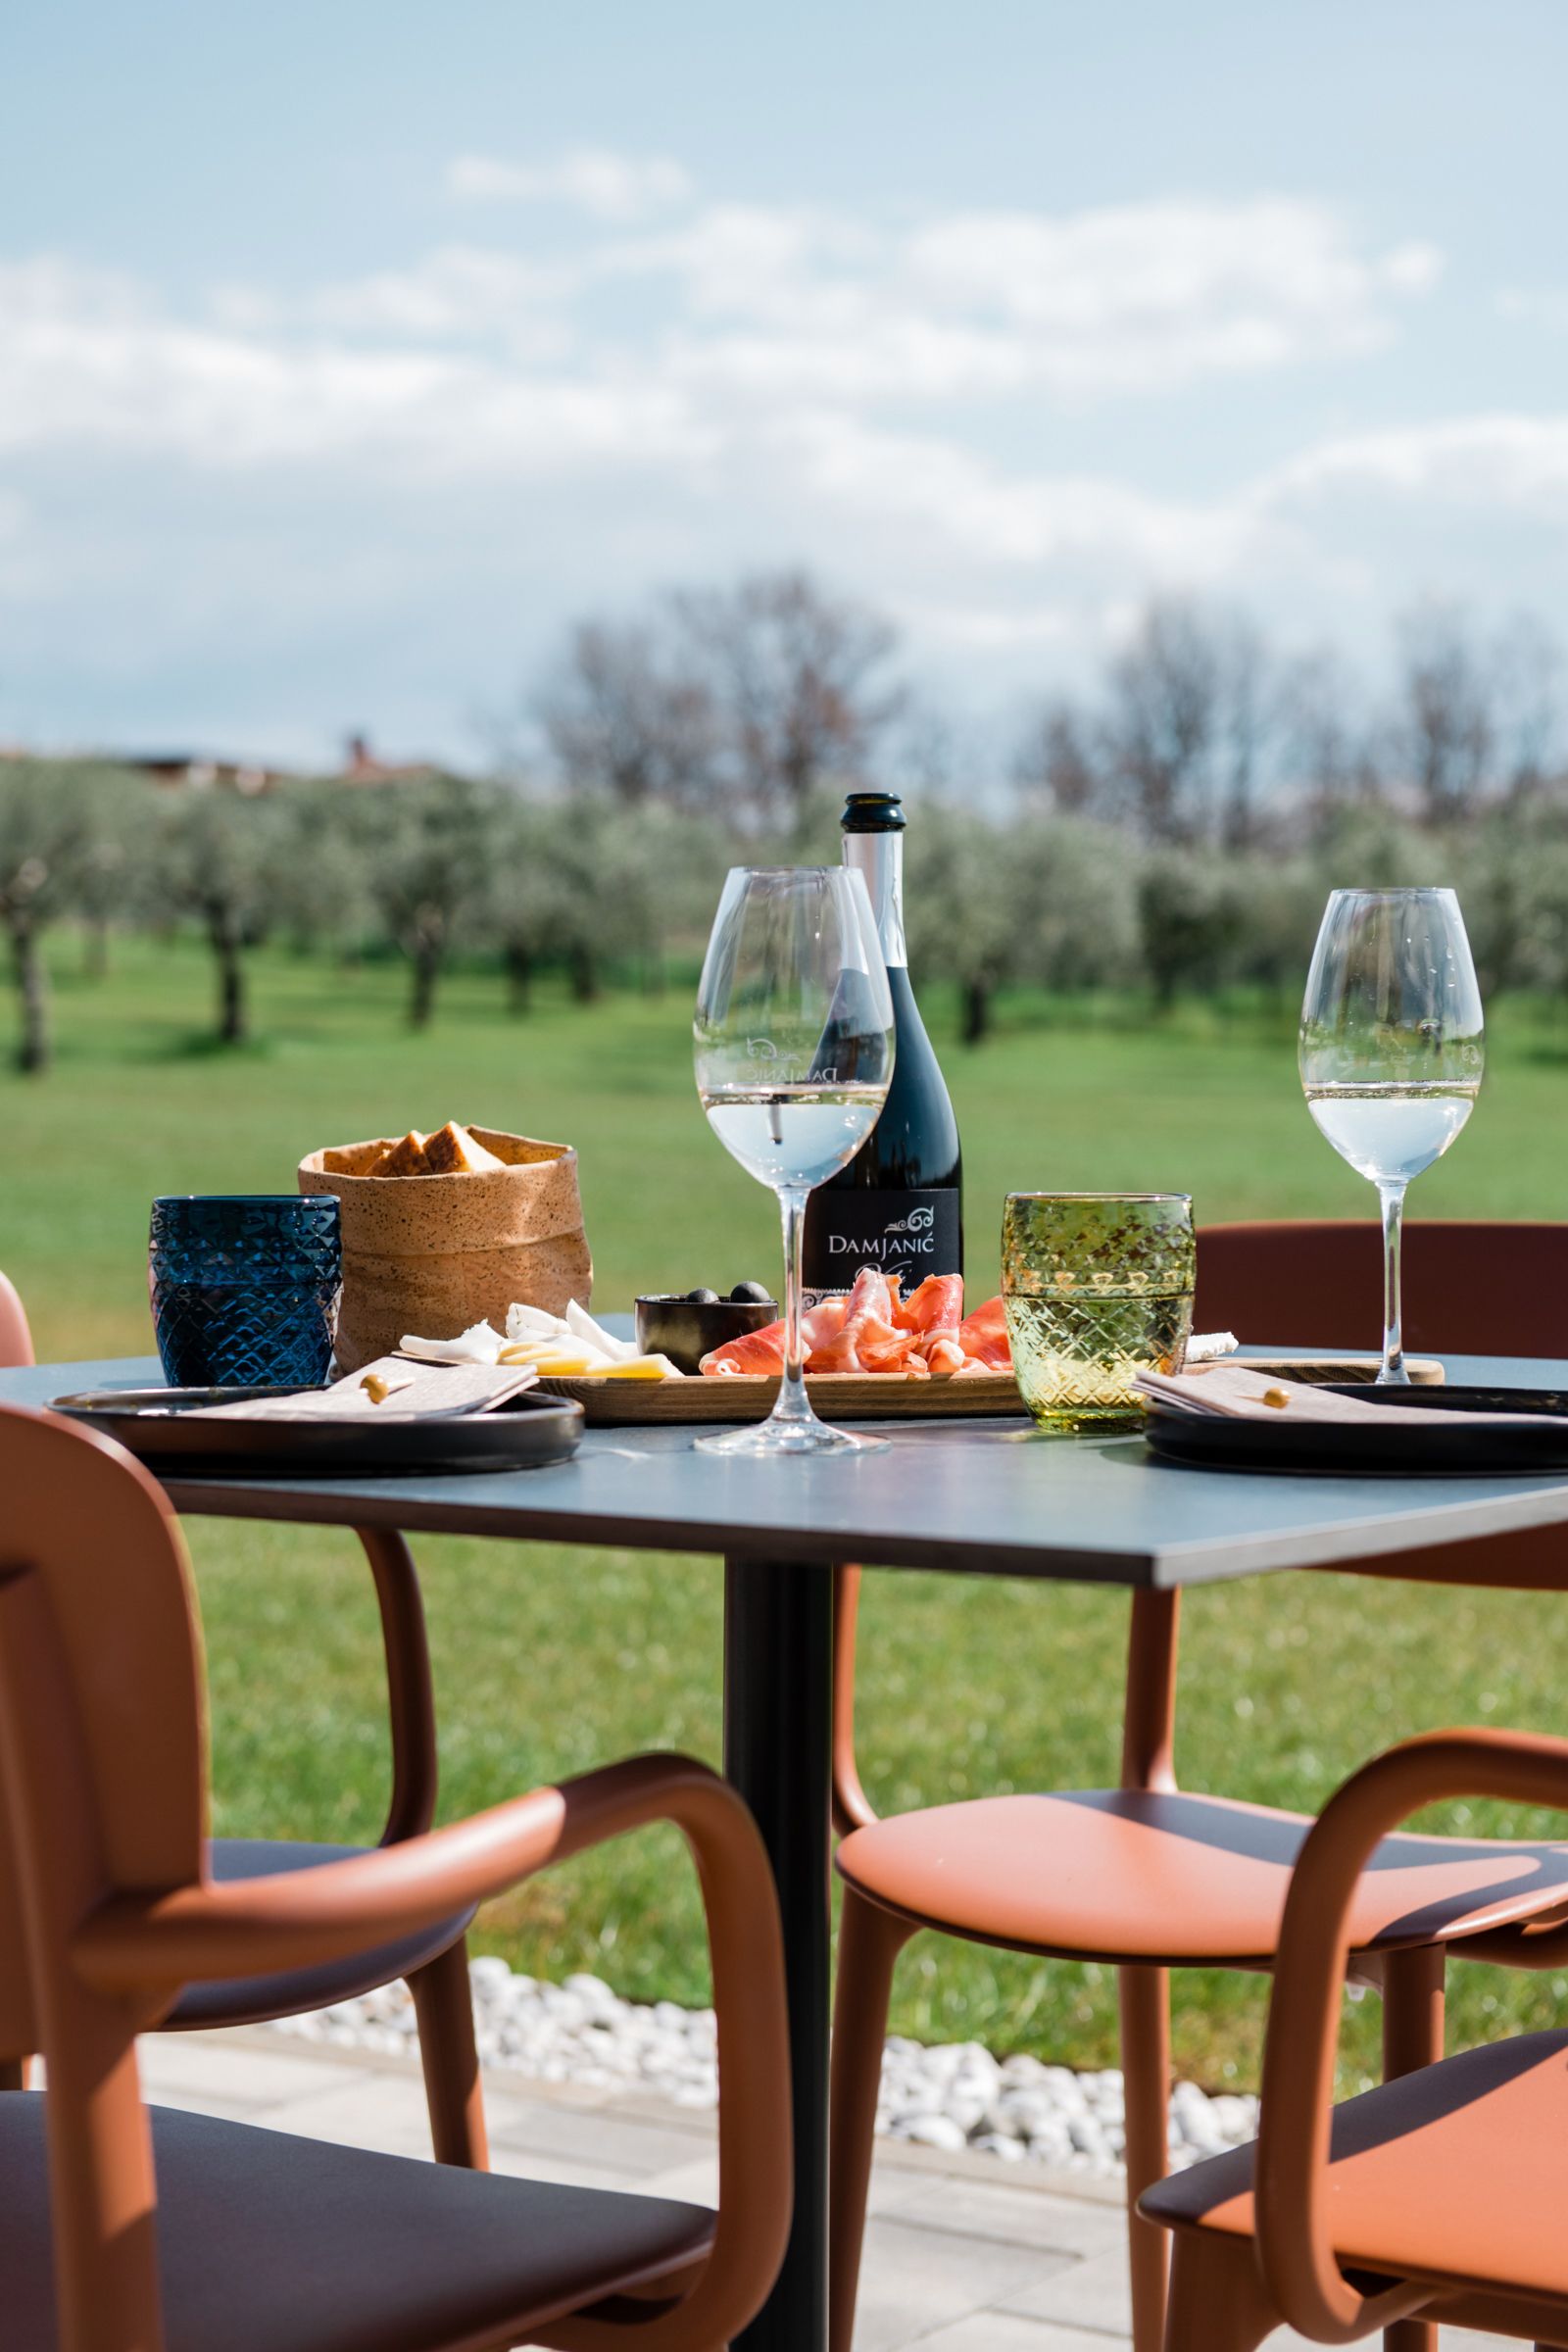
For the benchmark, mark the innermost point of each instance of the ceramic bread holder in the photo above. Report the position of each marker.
(437, 1253)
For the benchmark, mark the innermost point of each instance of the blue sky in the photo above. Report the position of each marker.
(347, 352)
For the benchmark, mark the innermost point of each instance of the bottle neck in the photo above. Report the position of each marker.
(879, 859)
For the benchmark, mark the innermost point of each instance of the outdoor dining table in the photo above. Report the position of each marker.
(967, 1497)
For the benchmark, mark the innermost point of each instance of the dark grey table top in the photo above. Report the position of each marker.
(985, 1497)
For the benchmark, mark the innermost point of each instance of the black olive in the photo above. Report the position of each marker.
(702, 1298)
(751, 1293)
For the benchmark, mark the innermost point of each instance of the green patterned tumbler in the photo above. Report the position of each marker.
(1098, 1286)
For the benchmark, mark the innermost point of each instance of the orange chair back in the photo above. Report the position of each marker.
(102, 1737)
(16, 1340)
(1469, 1289)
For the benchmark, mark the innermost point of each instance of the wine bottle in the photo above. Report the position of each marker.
(899, 1204)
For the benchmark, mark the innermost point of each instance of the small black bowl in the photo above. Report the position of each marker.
(688, 1329)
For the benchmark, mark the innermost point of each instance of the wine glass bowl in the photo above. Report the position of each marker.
(794, 1052)
(1391, 1051)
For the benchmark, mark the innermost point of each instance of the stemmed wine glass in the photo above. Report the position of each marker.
(794, 1035)
(1391, 1051)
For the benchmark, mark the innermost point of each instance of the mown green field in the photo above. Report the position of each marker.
(550, 1661)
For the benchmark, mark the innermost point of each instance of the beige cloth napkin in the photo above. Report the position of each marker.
(1234, 1392)
(415, 1391)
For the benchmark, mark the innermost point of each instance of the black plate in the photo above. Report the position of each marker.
(1537, 1441)
(161, 1428)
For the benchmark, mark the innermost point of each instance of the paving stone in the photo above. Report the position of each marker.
(1093, 2294)
(595, 2136)
(1001, 2332)
(242, 2074)
(695, 2181)
(1024, 2217)
(916, 2279)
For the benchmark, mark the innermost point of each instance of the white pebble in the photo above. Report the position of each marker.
(946, 2095)
(930, 2131)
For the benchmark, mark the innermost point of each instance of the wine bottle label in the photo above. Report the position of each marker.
(909, 1232)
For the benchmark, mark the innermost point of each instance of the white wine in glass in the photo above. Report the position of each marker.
(794, 1052)
(1391, 1051)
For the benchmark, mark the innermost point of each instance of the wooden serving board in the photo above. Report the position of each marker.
(879, 1396)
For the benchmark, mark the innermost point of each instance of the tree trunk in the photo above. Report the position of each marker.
(95, 948)
(518, 960)
(32, 998)
(584, 974)
(976, 1011)
(427, 972)
(233, 1020)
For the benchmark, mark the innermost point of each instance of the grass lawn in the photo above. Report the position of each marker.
(552, 1660)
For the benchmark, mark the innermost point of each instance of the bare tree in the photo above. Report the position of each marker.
(1445, 720)
(1190, 713)
(1327, 748)
(1163, 721)
(798, 680)
(1058, 758)
(627, 718)
(1528, 668)
(1244, 720)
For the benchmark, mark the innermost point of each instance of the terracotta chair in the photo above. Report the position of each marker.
(1440, 2196)
(129, 2229)
(1147, 1879)
(16, 1340)
(433, 1959)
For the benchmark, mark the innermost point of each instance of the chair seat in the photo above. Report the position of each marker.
(1458, 2173)
(250, 2000)
(273, 2243)
(1108, 1874)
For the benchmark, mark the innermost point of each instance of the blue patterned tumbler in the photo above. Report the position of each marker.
(245, 1288)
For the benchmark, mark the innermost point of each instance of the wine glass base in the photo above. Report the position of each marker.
(787, 1441)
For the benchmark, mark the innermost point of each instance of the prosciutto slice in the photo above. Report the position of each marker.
(925, 1337)
(984, 1334)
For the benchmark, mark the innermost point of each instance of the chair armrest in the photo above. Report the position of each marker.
(245, 1927)
(1294, 2239)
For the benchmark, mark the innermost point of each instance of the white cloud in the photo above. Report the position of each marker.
(1022, 522)
(593, 180)
(641, 401)
(746, 320)
(92, 363)
(1132, 298)
(1499, 461)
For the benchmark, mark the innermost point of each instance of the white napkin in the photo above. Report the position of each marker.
(1234, 1391)
(415, 1392)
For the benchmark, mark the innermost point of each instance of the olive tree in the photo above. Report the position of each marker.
(216, 859)
(428, 848)
(47, 812)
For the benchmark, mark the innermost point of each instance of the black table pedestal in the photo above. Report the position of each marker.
(778, 1666)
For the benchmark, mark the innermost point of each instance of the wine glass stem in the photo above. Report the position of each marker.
(793, 1403)
(1392, 1372)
